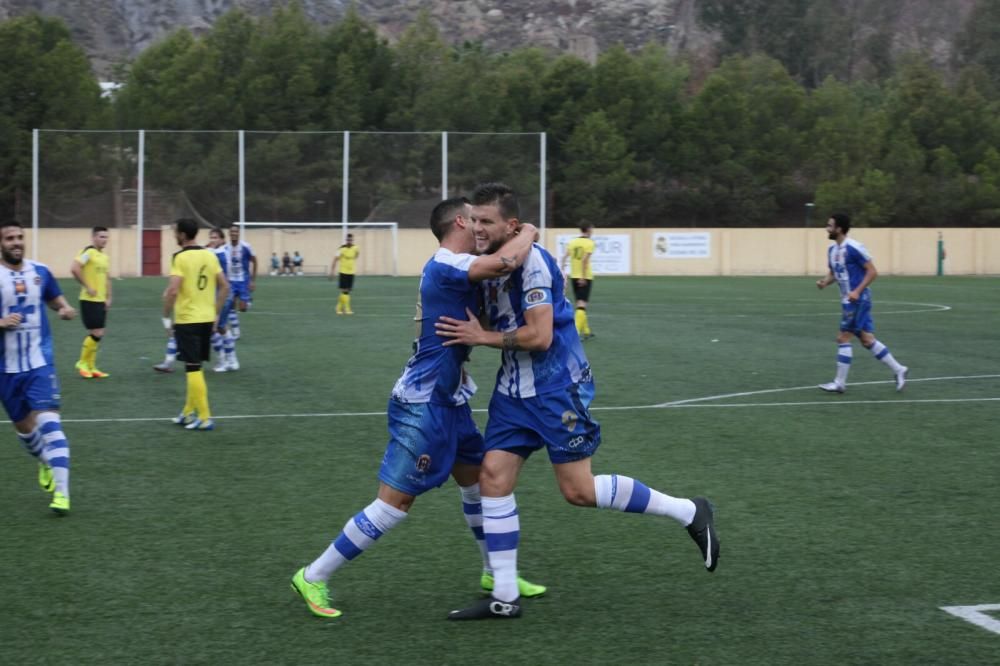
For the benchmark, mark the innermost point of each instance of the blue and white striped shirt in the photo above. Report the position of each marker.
(434, 372)
(847, 263)
(29, 345)
(524, 374)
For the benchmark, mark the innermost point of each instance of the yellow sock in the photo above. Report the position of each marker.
(197, 395)
(347, 302)
(586, 324)
(580, 317)
(88, 352)
(340, 303)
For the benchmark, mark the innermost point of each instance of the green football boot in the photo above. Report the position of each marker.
(316, 595)
(45, 479)
(525, 589)
(60, 503)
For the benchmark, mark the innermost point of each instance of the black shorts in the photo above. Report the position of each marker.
(582, 293)
(93, 314)
(346, 280)
(194, 341)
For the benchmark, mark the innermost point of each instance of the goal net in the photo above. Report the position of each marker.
(317, 244)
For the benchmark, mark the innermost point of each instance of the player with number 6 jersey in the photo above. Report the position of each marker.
(195, 294)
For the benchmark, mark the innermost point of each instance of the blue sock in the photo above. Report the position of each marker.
(32, 442)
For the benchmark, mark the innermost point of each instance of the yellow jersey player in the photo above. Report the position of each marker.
(579, 252)
(195, 294)
(347, 256)
(90, 268)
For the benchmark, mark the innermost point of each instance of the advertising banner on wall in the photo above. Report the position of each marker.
(682, 245)
(612, 253)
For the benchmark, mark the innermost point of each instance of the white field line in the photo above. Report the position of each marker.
(691, 402)
(976, 616)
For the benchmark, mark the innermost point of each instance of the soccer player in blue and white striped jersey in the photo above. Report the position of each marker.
(542, 397)
(29, 386)
(431, 430)
(852, 268)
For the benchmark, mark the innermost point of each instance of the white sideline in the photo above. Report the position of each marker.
(676, 404)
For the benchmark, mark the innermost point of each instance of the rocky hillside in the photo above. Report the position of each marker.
(113, 31)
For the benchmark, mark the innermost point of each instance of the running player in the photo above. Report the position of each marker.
(29, 386)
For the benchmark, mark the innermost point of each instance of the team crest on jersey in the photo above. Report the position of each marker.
(20, 287)
(38, 280)
(569, 419)
(534, 296)
(423, 463)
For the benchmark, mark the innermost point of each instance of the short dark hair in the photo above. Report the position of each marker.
(443, 215)
(188, 227)
(842, 221)
(499, 194)
(11, 223)
(98, 229)
(586, 226)
(215, 230)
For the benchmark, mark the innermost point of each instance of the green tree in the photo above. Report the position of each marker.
(46, 83)
(597, 176)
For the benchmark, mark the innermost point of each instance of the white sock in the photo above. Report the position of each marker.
(502, 530)
(881, 352)
(472, 509)
(358, 535)
(845, 354)
(623, 493)
(55, 453)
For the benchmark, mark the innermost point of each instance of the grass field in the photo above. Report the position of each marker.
(846, 521)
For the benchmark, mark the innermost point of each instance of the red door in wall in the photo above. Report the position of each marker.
(151, 252)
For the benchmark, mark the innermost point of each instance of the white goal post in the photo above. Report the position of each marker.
(317, 242)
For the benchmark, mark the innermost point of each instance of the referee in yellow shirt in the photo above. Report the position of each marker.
(578, 252)
(347, 255)
(195, 294)
(90, 268)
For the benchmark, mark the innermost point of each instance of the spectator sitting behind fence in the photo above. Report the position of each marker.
(286, 265)
(275, 263)
(297, 263)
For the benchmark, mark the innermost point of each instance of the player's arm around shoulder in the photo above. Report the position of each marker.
(507, 259)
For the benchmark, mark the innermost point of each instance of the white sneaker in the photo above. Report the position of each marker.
(221, 366)
(901, 378)
(233, 363)
(236, 333)
(833, 387)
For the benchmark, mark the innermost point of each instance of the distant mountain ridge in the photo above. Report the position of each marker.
(114, 31)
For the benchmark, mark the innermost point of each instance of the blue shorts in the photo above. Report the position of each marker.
(425, 441)
(240, 290)
(857, 317)
(560, 421)
(34, 390)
